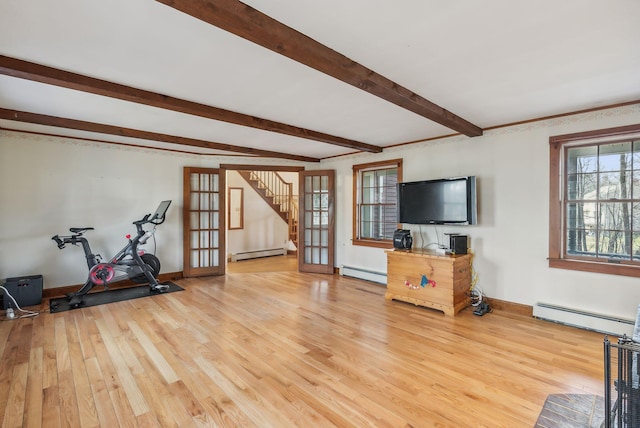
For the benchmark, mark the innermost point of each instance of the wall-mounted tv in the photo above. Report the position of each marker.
(443, 201)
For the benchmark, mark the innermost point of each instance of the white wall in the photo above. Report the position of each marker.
(511, 240)
(49, 184)
(263, 228)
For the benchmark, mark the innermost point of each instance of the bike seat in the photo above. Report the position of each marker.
(80, 229)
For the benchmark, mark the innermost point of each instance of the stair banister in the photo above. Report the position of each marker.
(278, 194)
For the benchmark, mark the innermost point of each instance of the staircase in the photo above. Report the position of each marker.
(278, 194)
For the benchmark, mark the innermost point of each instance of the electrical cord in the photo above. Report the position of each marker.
(425, 246)
(26, 312)
(155, 244)
(475, 292)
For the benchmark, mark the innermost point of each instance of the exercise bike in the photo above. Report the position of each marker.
(129, 263)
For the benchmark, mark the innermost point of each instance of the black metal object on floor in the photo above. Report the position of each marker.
(622, 383)
(110, 296)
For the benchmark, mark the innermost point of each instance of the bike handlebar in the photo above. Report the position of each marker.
(153, 220)
(158, 218)
(58, 241)
(73, 239)
(142, 221)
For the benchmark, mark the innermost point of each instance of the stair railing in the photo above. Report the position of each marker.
(282, 195)
(293, 218)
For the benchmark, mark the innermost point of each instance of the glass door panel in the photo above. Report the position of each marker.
(204, 231)
(316, 221)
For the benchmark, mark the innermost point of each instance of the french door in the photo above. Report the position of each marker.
(204, 222)
(316, 221)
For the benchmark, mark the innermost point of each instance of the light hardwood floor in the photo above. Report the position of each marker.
(284, 349)
(288, 263)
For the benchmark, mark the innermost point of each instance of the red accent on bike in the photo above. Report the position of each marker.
(128, 236)
(140, 252)
(101, 274)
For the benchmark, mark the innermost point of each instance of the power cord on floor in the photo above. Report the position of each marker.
(475, 292)
(10, 313)
(478, 299)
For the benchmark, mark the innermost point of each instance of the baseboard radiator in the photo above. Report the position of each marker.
(582, 319)
(245, 255)
(366, 274)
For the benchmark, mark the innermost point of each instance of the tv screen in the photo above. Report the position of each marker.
(443, 201)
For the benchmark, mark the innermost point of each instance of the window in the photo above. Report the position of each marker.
(594, 205)
(375, 195)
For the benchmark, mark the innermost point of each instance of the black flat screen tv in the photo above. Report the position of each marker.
(443, 201)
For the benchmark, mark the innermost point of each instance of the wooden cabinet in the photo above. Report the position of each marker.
(424, 278)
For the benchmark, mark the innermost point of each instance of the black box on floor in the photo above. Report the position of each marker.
(27, 290)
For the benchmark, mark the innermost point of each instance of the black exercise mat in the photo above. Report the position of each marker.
(61, 304)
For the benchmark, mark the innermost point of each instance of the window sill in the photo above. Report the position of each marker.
(372, 243)
(597, 267)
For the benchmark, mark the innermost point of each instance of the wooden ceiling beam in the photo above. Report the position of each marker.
(253, 25)
(52, 76)
(61, 122)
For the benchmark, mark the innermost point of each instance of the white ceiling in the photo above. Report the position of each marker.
(492, 62)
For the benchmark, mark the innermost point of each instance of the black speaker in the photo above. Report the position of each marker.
(402, 239)
(459, 244)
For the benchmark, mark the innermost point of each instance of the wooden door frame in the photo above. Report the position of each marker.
(186, 221)
(224, 167)
(245, 167)
(329, 268)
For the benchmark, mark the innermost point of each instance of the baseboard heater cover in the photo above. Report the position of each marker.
(366, 274)
(582, 319)
(245, 255)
